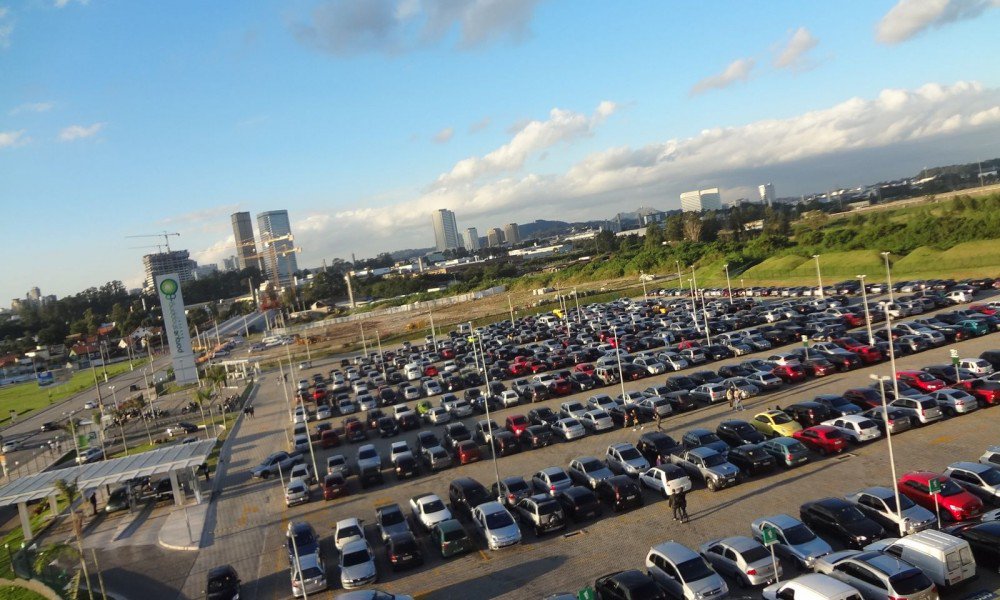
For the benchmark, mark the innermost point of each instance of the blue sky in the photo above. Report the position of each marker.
(361, 117)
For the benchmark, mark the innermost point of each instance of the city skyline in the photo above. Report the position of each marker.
(135, 134)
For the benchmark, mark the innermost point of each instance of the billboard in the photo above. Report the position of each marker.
(175, 322)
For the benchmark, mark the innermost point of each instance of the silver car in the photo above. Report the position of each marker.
(496, 525)
(744, 559)
(877, 575)
(569, 428)
(879, 504)
(297, 492)
(551, 480)
(597, 420)
(626, 458)
(684, 574)
(795, 540)
(978, 479)
(589, 471)
(357, 565)
(308, 575)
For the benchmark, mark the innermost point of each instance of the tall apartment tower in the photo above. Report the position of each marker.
(700, 200)
(766, 194)
(277, 247)
(511, 233)
(246, 245)
(470, 239)
(162, 263)
(445, 230)
(494, 237)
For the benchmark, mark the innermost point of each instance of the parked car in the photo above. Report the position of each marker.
(750, 459)
(879, 504)
(620, 493)
(842, 520)
(496, 525)
(683, 573)
(822, 438)
(357, 565)
(628, 585)
(451, 539)
(794, 539)
(743, 559)
(877, 575)
(666, 479)
(955, 503)
(579, 503)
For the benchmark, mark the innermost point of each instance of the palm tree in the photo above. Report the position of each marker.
(69, 489)
(53, 553)
(201, 396)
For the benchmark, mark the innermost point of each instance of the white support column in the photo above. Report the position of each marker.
(54, 505)
(195, 485)
(176, 487)
(22, 511)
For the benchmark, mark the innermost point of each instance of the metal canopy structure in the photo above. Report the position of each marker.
(146, 464)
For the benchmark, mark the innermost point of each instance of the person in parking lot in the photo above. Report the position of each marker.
(682, 505)
(659, 422)
(731, 395)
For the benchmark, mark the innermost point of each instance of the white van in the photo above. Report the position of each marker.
(959, 296)
(813, 586)
(413, 372)
(946, 559)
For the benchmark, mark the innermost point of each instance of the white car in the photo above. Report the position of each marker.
(324, 412)
(347, 531)
(10, 446)
(438, 415)
(666, 479)
(91, 405)
(346, 406)
(496, 525)
(297, 492)
(977, 365)
(396, 449)
(856, 427)
(955, 402)
(509, 398)
(432, 388)
(602, 402)
(569, 428)
(357, 565)
(367, 402)
(597, 420)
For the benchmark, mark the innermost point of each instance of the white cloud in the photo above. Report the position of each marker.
(444, 136)
(31, 107)
(909, 18)
(738, 70)
(216, 252)
(79, 132)
(12, 139)
(347, 27)
(534, 136)
(623, 176)
(793, 55)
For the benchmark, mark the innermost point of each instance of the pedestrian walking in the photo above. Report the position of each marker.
(730, 395)
(93, 502)
(675, 504)
(738, 397)
(659, 421)
(635, 420)
(682, 505)
(252, 411)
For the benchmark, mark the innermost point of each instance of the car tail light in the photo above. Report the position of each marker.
(510, 497)
(788, 457)
(751, 571)
(618, 495)
(552, 488)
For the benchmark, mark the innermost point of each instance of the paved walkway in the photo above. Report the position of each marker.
(244, 525)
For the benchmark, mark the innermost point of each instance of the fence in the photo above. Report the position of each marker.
(306, 328)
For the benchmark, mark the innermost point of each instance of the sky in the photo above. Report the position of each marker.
(361, 117)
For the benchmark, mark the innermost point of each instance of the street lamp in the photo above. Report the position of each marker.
(868, 319)
(486, 402)
(728, 282)
(618, 354)
(642, 279)
(678, 263)
(888, 436)
(819, 276)
(888, 274)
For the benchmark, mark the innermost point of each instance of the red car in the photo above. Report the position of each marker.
(561, 387)
(987, 392)
(852, 320)
(587, 368)
(864, 397)
(319, 394)
(822, 438)
(334, 486)
(516, 424)
(687, 344)
(956, 503)
(869, 354)
(329, 439)
(467, 451)
(430, 371)
(789, 373)
(921, 380)
(518, 369)
(447, 353)
(354, 430)
(986, 309)
(537, 366)
(819, 367)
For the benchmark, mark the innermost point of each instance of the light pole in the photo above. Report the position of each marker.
(364, 343)
(868, 319)
(510, 305)
(576, 298)
(888, 274)
(892, 354)
(486, 404)
(819, 277)
(888, 436)
(678, 263)
(728, 283)
(642, 278)
(618, 354)
(381, 357)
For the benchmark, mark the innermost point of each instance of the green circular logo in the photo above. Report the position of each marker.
(168, 287)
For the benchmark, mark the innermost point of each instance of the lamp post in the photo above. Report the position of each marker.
(819, 277)
(642, 279)
(510, 305)
(678, 263)
(486, 403)
(888, 274)
(381, 357)
(868, 319)
(888, 436)
(729, 284)
(576, 298)
(618, 354)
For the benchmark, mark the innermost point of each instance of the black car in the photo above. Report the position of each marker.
(454, 433)
(696, 438)
(542, 416)
(510, 490)
(680, 400)
(408, 421)
(841, 520)
(465, 493)
(505, 443)
(703, 377)
(657, 447)
(628, 585)
(620, 492)
(302, 538)
(536, 436)
(405, 466)
(223, 584)
(427, 439)
(50, 426)
(681, 383)
(387, 427)
(838, 405)
(579, 503)
(808, 414)
(738, 433)
(751, 459)
(403, 551)
(983, 538)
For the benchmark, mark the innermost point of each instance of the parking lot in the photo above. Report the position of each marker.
(570, 560)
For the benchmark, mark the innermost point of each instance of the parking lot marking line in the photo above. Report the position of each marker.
(943, 439)
(381, 501)
(482, 553)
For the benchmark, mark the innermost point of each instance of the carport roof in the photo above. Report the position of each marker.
(105, 472)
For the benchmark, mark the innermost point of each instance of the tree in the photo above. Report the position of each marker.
(673, 229)
(654, 236)
(692, 227)
(54, 554)
(69, 489)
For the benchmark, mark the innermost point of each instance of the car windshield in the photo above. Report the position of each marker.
(570, 423)
(517, 486)
(755, 452)
(781, 419)
(348, 532)
(219, 584)
(714, 460)
(799, 534)
(366, 454)
(392, 517)
(547, 508)
(866, 424)
(433, 506)
(498, 520)
(694, 570)
(303, 537)
(557, 476)
(991, 477)
(909, 582)
(925, 377)
(849, 514)
(630, 454)
(708, 438)
(590, 466)
(949, 488)
(454, 535)
(754, 554)
(353, 558)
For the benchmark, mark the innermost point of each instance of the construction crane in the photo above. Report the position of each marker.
(165, 235)
(159, 247)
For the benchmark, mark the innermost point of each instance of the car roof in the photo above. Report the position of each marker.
(489, 508)
(740, 543)
(831, 502)
(699, 431)
(675, 551)
(781, 521)
(703, 451)
(352, 546)
(970, 466)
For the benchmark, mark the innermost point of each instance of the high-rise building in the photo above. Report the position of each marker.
(494, 237)
(511, 233)
(277, 249)
(700, 200)
(445, 230)
(470, 239)
(203, 271)
(231, 264)
(35, 295)
(766, 194)
(162, 263)
(246, 246)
